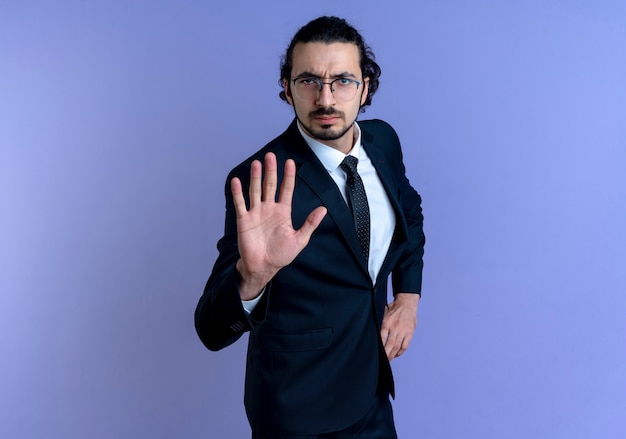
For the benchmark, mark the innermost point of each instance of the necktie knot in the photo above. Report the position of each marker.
(349, 164)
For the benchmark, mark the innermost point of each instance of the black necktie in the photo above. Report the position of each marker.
(358, 202)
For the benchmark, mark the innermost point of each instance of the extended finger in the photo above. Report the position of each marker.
(310, 224)
(255, 183)
(270, 179)
(238, 200)
(289, 183)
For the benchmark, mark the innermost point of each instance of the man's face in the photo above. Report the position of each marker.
(329, 120)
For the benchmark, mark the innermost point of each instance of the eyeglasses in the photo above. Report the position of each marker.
(309, 88)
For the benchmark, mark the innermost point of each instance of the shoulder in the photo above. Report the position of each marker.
(282, 146)
(378, 131)
(376, 126)
(378, 134)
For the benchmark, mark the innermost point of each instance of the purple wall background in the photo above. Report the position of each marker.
(120, 120)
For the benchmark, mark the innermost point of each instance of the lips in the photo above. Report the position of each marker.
(327, 120)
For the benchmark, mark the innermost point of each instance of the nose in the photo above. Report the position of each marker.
(325, 97)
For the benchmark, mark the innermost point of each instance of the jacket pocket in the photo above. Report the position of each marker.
(296, 341)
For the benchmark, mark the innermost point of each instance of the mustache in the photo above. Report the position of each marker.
(329, 111)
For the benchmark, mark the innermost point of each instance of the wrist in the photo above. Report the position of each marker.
(250, 286)
(408, 298)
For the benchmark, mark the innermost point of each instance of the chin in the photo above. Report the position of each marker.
(327, 134)
(324, 132)
(330, 132)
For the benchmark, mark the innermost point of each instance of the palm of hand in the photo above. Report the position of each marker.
(266, 238)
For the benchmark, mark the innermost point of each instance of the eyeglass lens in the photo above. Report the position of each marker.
(343, 89)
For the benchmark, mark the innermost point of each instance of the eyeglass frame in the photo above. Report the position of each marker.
(321, 84)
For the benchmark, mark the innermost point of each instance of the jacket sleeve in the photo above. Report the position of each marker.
(220, 318)
(407, 274)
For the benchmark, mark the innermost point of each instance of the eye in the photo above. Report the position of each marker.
(307, 81)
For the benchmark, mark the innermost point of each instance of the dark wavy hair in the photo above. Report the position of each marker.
(332, 30)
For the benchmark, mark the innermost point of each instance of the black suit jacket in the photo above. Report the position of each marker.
(315, 358)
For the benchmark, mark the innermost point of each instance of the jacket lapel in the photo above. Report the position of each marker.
(388, 177)
(375, 148)
(312, 173)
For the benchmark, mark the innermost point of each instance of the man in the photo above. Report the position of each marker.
(308, 246)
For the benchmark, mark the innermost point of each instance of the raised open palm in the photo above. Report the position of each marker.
(266, 237)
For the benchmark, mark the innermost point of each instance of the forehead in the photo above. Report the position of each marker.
(325, 59)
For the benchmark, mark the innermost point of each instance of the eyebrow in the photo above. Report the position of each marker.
(309, 74)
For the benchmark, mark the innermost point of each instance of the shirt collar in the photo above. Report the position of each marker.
(329, 156)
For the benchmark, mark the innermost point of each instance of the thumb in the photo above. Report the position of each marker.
(312, 221)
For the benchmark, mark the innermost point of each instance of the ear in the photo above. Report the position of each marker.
(288, 92)
(366, 90)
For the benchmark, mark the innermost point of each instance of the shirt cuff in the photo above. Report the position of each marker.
(249, 305)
